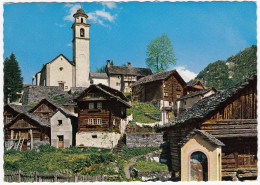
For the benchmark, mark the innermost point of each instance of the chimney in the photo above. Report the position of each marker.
(108, 63)
(129, 65)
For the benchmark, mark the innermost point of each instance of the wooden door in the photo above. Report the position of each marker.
(24, 146)
(60, 141)
(61, 85)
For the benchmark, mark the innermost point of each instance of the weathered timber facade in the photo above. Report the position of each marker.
(167, 86)
(11, 111)
(229, 116)
(101, 109)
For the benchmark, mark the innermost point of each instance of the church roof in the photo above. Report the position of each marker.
(97, 75)
(80, 12)
(159, 76)
(121, 70)
(208, 105)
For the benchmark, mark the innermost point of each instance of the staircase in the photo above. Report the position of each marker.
(120, 145)
(19, 145)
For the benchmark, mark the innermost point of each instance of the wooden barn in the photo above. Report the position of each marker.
(193, 86)
(12, 110)
(229, 116)
(101, 116)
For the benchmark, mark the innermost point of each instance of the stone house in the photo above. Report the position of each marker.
(65, 73)
(98, 78)
(101, 117)
(121, 78)
(229, 116)
(161, 89)
(185, 102)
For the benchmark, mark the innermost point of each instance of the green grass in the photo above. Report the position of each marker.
(139, 109)
(144, 165)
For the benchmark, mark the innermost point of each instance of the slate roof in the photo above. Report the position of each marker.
(109, 91)
(201, 93)
(207, 136)
(121, 70)
(19, 108)
(206, 106)
(37, 118)
(192, 83)
(158, 76)
(80, 12)
(97, 75)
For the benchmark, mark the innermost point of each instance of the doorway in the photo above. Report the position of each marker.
(60, 141)
(198, 167)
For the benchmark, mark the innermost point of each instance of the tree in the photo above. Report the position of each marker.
(160, 54)
(13, 80)
(102, 69)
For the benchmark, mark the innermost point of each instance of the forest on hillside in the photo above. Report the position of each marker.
(224, 74)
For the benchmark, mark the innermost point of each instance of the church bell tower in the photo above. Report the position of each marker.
(81, 48)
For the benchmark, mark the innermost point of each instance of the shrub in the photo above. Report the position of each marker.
(9, 166)
(47, 148)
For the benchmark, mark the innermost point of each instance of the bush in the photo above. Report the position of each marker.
(145, 165)
(47, 148)
(9, 166)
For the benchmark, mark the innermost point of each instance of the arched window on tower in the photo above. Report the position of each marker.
(81, 20)
(82, 32)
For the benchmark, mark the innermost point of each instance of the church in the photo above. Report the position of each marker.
(76, 73)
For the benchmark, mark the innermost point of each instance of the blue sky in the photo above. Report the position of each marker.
(200, 32)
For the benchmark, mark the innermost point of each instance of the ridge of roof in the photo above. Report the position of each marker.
(207, 136)
(200, 92)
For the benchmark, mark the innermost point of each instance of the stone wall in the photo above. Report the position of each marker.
(154, 175)
(144, 139)
(34, 94)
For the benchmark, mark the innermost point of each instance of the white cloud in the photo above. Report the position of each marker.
(99, 16)
(185, 73)
(73, 9)
(110, 5)
(69, 44)
(60, 25)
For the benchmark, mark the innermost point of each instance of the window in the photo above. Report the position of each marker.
(81, 20)
(178, 96)
(94, 121)
(164, 85)
(61, 68)
(94, 136)
(166, 94)
(117, 84)
(91, 105)
(82, 32)
(178, 88)
(59, 122)
(99, 105)
(122, 111)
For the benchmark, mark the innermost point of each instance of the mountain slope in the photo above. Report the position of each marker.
(224, 74)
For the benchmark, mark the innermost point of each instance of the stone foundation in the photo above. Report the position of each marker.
(144, 139)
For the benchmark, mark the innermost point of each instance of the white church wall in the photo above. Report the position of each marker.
(61, 71)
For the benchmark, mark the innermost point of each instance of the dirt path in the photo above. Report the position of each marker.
(131, 163)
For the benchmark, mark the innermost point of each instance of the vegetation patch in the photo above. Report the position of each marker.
(145, 165)
(140, 109)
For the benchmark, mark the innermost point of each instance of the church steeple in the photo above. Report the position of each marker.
(81, 48)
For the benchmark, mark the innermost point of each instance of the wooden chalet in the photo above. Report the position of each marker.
(100, 109)
(167, 86)
(229, 116)
(193, 86)
(12, 110)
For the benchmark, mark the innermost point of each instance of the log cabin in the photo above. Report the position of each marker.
(162, 89)
(12, 110)
(229, 116)
(101, 117)
(193, 86)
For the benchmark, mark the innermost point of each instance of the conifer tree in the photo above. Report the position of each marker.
(13, 80)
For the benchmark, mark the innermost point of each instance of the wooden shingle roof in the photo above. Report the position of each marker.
(159, 76)
(206, 106)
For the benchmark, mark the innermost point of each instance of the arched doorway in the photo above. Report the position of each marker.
(198, 167)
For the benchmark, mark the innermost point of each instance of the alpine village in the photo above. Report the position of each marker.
(127, 123)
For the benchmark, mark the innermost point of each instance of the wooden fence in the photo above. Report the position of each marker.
(19, 176)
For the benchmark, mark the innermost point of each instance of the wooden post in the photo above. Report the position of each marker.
(55, 177)
(12, 137)
(31, 135)
(36, 176)
(76, 177)
(236, 159)
(19, 176)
